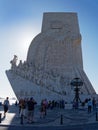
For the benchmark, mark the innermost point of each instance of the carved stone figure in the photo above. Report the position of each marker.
(13, 62)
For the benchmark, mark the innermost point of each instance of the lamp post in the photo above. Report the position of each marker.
(76, 82)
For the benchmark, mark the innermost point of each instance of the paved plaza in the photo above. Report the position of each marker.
(55, 117)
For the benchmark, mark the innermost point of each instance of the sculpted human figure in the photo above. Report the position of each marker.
(14, 61)
(20, 64)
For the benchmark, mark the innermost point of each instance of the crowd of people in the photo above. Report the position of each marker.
(27, 106)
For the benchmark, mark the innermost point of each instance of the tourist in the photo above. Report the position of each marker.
(19, 104)
(43, 109)
(6, 106)
(94, 104)
(23, 108)
(30, 107)
(89, 105)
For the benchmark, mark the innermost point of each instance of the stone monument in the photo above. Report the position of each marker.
(54, 58)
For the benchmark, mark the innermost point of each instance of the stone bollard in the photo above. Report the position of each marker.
(21, 119)
(61, 119)
(0, 117)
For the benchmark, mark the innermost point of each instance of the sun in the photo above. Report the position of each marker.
(25, 36)
(20, 38)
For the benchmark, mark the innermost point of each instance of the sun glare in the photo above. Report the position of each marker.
(23, 41)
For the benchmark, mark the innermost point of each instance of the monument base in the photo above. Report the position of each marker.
(23, 88)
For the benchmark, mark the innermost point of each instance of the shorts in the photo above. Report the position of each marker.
(30, 113)
(5, 108)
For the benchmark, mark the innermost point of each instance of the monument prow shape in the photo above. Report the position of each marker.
(54, 59)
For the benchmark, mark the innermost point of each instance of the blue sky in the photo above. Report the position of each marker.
(21, 21)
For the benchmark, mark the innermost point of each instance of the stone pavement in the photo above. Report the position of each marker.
(54, 117)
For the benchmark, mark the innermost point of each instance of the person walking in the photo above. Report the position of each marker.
(6, 105)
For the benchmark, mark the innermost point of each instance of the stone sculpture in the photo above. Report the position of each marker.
(54, 58)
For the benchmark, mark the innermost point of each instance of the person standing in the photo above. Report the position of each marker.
(23, 108)
(42, 109)
(30, 107)
(94, 104)
(89, 105)
(6, 105)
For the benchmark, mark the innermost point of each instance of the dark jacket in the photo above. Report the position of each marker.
(31, 104)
